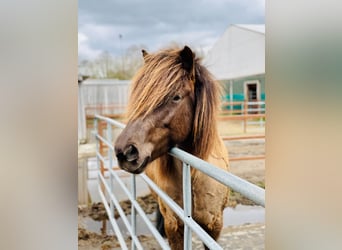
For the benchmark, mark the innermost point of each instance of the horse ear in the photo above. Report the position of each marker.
(187, 58)
(144, 53)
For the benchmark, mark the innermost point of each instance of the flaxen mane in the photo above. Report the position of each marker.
(160, 77)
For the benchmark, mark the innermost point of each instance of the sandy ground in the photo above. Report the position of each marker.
(253, 171)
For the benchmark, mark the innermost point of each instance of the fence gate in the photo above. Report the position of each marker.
(246, 188)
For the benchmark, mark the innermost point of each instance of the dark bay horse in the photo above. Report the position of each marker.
(174, 102)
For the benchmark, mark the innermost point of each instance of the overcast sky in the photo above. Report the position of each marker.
(155, 24)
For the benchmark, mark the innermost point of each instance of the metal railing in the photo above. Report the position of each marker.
(247, 189)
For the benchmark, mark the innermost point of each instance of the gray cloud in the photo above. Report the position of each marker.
(157, 23)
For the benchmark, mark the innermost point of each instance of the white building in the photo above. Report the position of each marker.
(238, 60)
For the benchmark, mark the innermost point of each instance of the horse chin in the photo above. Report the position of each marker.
(135, 167)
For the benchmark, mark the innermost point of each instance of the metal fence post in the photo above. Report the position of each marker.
(187, 200)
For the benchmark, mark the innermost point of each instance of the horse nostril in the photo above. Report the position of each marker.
(120, 156)
(131, 153)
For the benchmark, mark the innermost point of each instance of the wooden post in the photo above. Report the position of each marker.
(83, 196)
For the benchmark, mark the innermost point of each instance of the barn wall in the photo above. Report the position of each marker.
(238, 87)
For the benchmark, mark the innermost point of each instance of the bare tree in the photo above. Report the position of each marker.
(119, 67)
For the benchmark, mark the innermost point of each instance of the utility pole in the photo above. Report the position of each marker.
(122, 54)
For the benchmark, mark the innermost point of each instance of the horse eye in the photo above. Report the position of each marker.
(176, 98)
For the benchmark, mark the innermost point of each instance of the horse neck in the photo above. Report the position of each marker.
(170, 166)
(191, 147)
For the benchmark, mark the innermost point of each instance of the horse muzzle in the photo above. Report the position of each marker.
(129, 159)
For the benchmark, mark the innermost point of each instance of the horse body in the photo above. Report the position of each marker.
(209, 196)
(174, 102)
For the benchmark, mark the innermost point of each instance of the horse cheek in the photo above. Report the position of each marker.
(181, 126)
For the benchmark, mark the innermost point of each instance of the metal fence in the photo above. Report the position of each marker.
(247, 189)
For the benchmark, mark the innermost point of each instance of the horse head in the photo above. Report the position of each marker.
(161, 108)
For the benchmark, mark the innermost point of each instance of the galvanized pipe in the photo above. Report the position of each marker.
(133, 215)
(246, 188)
(141, 212)
(110, 121)
(99, 156)
(121, 213)
(134, 203)
(209, 242)
(187, 200)
(112, 221)
(105, 141)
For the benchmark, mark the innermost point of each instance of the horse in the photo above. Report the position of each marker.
(174, 102)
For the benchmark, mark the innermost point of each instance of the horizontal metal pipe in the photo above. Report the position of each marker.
(242, 186)
(209, 242)
(246, 188)
(133, 213)
(112, 221)
(100, 157)
(110, 121)
(121, 212)
(187, 204)
(152, 228)
(105, 141)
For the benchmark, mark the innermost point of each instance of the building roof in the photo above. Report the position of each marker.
(239, 52)
(260, 28)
